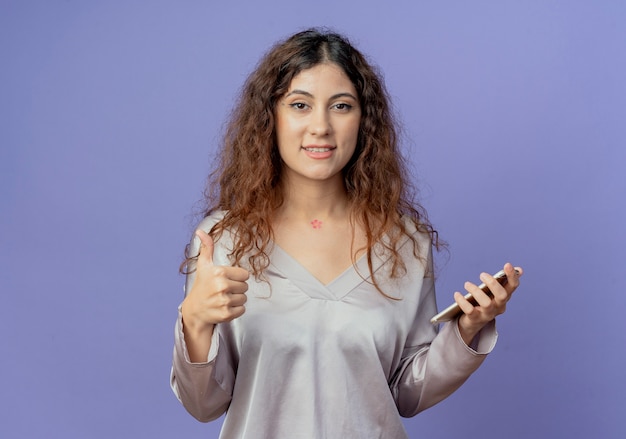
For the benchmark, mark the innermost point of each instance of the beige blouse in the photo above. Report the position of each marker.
(308, 360)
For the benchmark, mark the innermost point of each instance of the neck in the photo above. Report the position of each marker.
(308, 200)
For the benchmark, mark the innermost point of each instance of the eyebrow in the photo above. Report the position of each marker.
(335, 96)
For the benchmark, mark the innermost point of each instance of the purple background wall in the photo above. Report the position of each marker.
(514, 115)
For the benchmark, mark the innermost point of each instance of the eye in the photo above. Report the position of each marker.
(342, 106)
(298, 106)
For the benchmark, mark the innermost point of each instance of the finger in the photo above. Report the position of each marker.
(206, 246)
(513, 274)
(226, 314)
(481, 298)
(463, 303)
(237, 311)
(236, 273)
(234, 287)
(500, 295)
(237, 300)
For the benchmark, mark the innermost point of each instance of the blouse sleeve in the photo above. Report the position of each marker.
(434, 364)
(205, 389)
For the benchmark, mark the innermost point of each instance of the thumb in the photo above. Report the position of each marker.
(206, 246)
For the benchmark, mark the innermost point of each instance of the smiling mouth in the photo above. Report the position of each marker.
(318, 148)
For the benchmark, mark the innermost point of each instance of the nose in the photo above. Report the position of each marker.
(320, 122)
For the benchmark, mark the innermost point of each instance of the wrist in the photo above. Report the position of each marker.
(192, 326)
(468, 331)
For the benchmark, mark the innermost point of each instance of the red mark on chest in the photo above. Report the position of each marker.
(316, 224)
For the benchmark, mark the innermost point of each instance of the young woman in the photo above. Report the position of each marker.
(310, 284)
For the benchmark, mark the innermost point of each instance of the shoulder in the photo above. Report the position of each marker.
(211, 220)
(416, 235)
(222, 244)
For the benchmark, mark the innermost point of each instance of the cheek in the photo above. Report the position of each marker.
(281, 134)
(287, 127)
(284, 137)
(353, 130)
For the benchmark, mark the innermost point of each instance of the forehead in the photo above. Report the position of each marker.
(322, 77)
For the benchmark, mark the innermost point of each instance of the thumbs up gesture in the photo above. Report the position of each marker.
(217, 295)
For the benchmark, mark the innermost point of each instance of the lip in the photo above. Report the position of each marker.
(319, 152)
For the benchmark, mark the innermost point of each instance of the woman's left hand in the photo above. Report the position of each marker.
(474, 318)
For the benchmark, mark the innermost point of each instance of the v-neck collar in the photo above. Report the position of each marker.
(336, 289)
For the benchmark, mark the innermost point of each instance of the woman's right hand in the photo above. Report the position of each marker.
(217, 295)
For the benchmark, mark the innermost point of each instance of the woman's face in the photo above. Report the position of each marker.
(317, 124)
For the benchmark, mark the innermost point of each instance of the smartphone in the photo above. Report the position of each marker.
(454, 310)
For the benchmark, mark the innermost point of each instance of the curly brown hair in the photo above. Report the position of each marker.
(246, 182)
